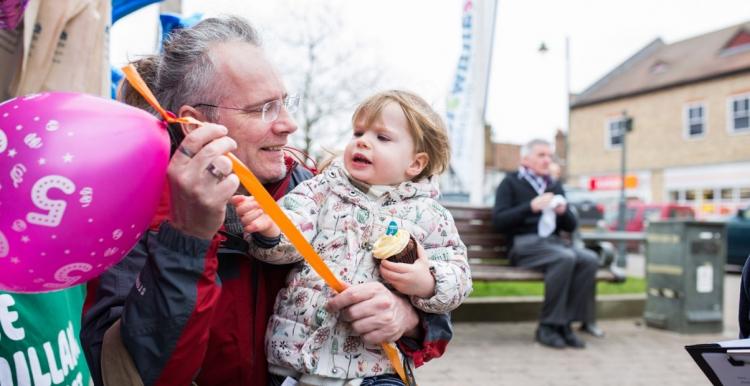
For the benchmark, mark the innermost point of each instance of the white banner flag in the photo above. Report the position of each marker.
(466, 102)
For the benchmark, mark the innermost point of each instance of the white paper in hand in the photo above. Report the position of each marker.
(548, 221)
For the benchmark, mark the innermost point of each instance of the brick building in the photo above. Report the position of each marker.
(690, 105)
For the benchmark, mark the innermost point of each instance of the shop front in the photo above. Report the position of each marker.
(713, 191)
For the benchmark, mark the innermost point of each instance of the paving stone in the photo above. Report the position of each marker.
(631, 354)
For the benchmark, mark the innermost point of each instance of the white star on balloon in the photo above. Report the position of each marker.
(12, 153)
(42, 161)
(25, 239)
(68, 158)
(14, 260)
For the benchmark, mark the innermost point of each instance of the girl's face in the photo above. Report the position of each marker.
(383, 153)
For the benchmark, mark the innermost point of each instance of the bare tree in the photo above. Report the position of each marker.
(324, 67)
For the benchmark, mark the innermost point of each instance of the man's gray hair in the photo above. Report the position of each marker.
(185, 74)
(526, 149)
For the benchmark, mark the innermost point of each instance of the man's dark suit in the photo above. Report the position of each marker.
(569, 273)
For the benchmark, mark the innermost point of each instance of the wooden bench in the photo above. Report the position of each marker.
(488, 249)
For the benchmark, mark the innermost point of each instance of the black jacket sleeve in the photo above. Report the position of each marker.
(509, 212)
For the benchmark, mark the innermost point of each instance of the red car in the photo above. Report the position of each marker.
(638, 214)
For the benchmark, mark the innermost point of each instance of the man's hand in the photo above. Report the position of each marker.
(410, 279)
(253, 218)
(560, 209)
(375, 313)
(198, 194)
(541, 201)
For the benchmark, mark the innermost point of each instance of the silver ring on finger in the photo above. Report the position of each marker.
(182, 149)
(214, 171)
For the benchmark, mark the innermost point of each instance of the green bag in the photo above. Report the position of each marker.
(39, 339)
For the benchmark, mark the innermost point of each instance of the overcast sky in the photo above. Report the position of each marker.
(418, 43)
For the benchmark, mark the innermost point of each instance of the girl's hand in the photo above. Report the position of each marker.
(253, 218)
(410, 279)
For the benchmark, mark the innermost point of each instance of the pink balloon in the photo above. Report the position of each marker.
(80, 180)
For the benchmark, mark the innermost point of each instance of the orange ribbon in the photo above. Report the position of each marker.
(269, 205)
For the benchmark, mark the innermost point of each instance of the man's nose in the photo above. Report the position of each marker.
(284, 124)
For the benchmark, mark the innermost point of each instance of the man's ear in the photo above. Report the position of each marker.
(417, 164)
(190, 111)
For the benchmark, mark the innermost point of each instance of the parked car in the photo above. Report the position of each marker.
(589, 213)
(638, 214)
(738, 239)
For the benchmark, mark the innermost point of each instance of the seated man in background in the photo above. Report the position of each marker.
(531, 210)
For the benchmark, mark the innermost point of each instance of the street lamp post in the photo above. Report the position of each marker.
(625, 126)
(543, 50)
(566, 167)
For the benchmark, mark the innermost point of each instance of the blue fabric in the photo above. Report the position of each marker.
(171, 22)
(266, 242)
(116, 76)
(122, 8)
(383, 380)
(539, 183)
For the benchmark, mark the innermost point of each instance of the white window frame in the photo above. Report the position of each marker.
(730, 114)
(608, 135)
(686, 120)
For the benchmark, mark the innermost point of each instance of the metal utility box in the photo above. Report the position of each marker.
(685, 275)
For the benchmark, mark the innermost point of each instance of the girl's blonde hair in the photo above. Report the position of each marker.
(425, 126)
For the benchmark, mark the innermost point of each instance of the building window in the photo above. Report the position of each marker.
(739, 114)
(674, 196)
(744, 193)
(690, 195)
(615, 132)
(708, 194)
(695, 120)
(739, 43)
(727, 194)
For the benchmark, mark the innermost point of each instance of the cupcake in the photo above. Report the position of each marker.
(396, 245)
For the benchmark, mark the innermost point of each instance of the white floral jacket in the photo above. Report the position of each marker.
(342, 224)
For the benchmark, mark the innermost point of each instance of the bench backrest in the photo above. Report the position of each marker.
(488, 250)
(485, 244)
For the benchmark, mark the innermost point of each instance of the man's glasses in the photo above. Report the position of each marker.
(269, 112)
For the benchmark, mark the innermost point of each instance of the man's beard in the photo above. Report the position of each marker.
(282, 173)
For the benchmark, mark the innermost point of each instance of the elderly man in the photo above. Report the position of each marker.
(187, 304)
(531, 210)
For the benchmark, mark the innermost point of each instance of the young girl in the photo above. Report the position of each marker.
(387, 175)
